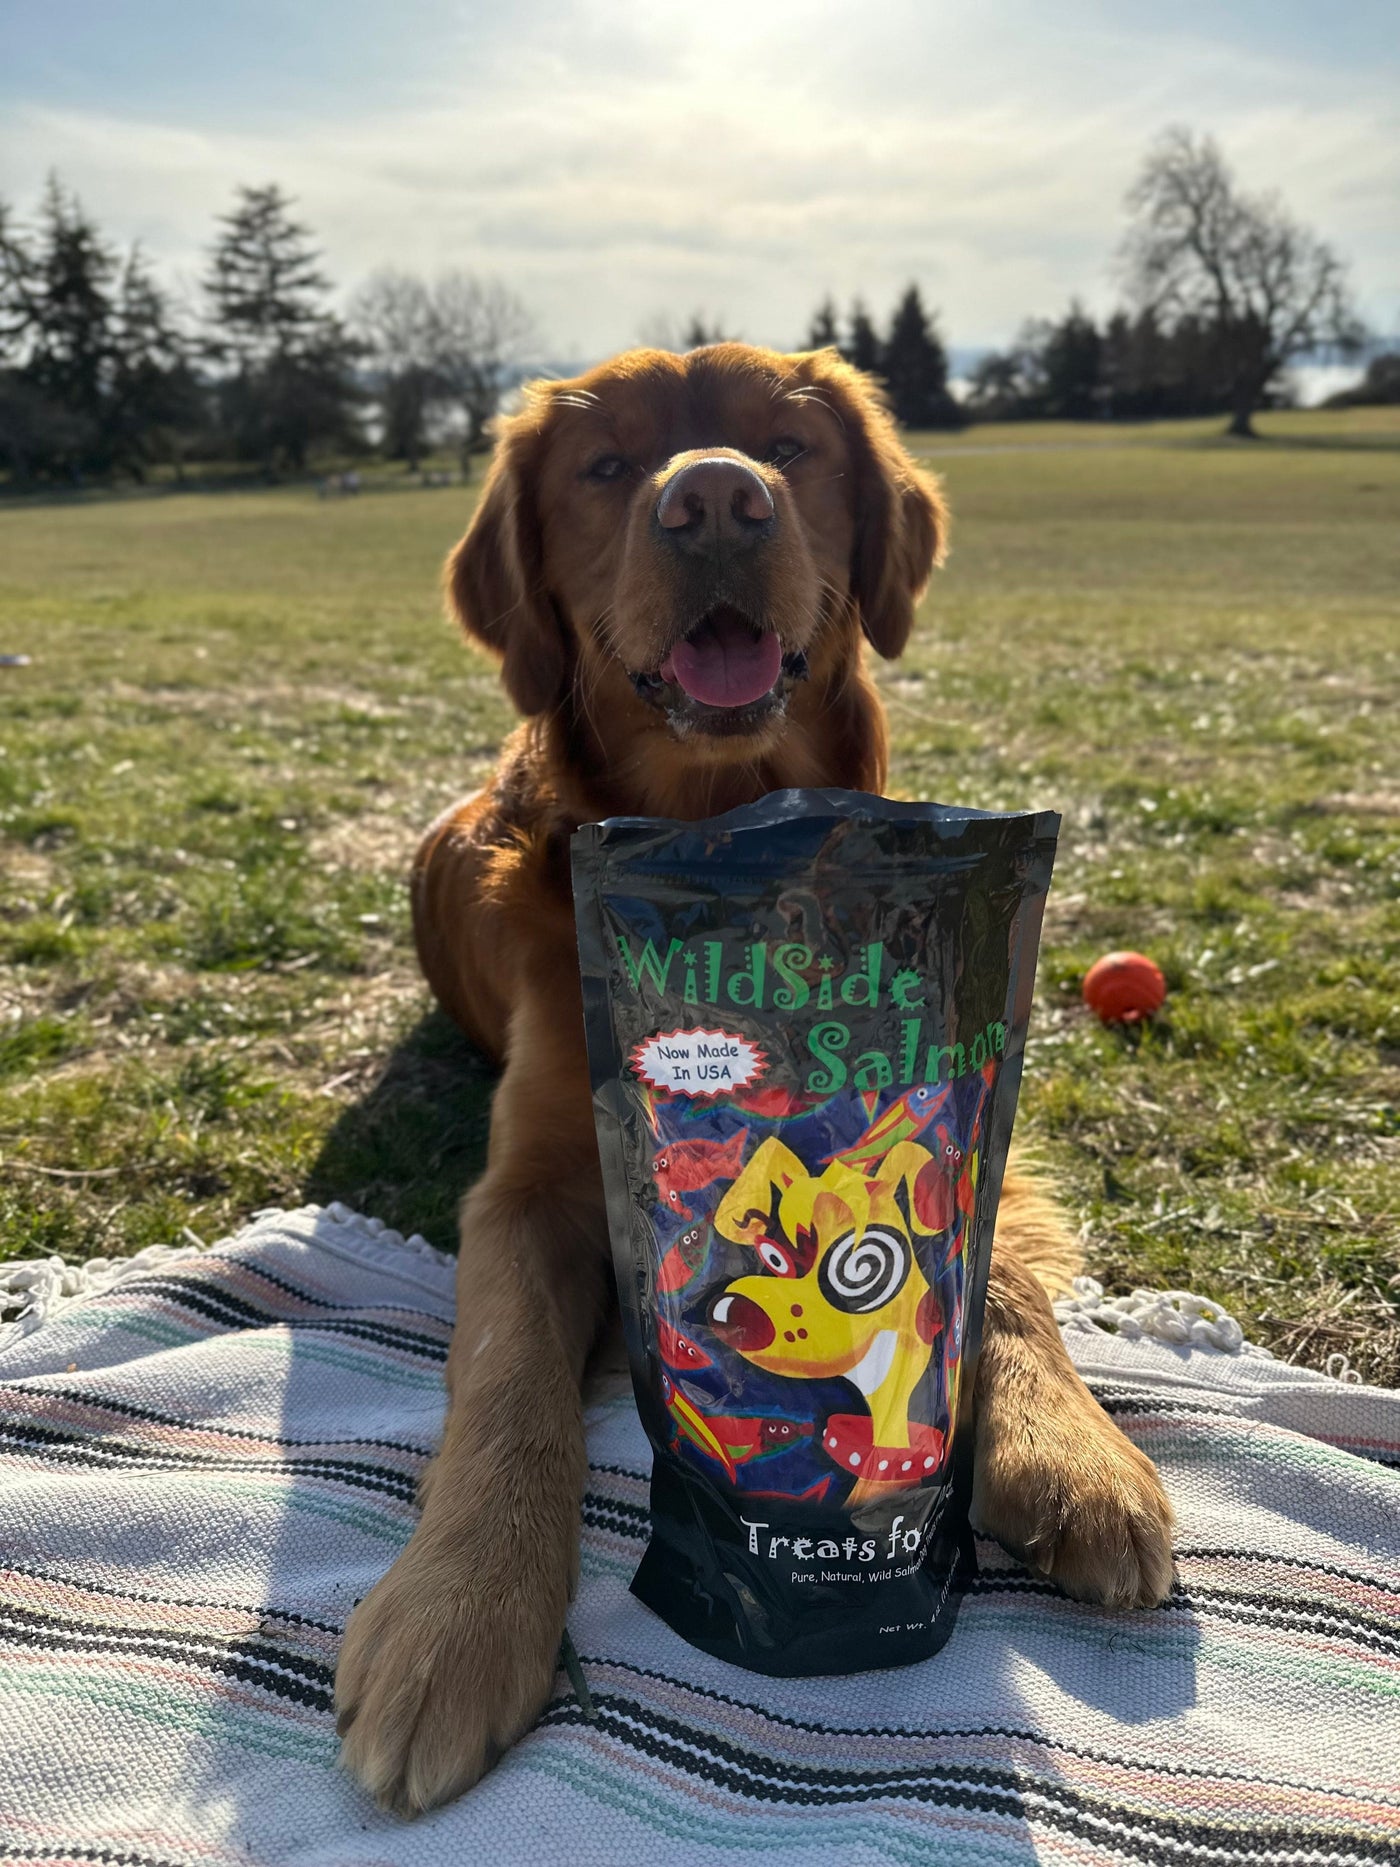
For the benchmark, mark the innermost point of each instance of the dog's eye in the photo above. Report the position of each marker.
(784, 451)
(607, 467)
(777, 1259)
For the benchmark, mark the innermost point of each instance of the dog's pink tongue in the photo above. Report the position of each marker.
(721, 665)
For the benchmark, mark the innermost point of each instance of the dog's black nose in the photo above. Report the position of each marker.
(715, 501)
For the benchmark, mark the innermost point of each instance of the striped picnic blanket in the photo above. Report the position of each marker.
(206, 1457)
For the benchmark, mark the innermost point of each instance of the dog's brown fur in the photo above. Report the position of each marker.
(567, 577)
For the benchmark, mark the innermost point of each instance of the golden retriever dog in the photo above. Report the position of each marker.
(682, 563)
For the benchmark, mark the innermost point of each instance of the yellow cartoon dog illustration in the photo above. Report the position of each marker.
(843, 1294)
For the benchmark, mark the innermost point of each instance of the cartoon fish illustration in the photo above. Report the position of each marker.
(754, 1436)
(905, 1118)
(677, 1350)
(683, 1260)
(687, 1166)
(691, 1425)
(936, 1188)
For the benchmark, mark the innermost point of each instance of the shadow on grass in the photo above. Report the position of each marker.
(409, 1148)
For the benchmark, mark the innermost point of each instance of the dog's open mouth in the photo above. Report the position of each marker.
(727, 661)
(728, 673)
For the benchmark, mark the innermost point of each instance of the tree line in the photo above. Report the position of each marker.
(103, 371)
(1224, 291)
(1134, 366)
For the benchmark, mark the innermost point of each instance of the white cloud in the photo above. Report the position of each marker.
(630, 159)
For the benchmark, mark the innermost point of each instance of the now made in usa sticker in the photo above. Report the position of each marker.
(698, 1063)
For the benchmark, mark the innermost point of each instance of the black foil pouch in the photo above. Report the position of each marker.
(805, 1025)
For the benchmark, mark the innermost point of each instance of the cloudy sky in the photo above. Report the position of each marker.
(620, 159)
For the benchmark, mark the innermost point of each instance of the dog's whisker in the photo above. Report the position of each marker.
(588, 687)
(803, 395)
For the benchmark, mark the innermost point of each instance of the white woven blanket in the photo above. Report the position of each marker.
(205, 1459)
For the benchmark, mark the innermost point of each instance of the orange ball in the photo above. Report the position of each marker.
(1124, 988)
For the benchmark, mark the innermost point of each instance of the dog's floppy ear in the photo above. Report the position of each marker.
(495, 576)
(900, 513)
(744, 1213)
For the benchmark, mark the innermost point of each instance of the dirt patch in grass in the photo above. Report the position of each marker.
(256, 697)
(374, 841)
(1362, 803)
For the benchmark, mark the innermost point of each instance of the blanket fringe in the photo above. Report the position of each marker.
(37, 1288)
(414, 1244)
(1167, 1315)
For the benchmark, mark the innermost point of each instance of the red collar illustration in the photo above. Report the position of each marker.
(846, 1440)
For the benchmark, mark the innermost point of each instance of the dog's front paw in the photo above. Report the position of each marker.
(437, 1678)
(1078, 1503)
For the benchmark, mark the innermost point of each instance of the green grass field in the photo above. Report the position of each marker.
(242, 708)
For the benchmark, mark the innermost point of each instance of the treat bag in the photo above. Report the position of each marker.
(805, 1024)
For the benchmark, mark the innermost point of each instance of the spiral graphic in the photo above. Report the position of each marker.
(863, 1272)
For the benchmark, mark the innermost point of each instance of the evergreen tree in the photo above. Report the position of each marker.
(156, 396)
(697, 333)
(1116, 364)
(1148, 371)
(264, 288)
(1071, 354)
(57, 294)
(93, 375)
(16, 286)
(76, 275)
(24, 429)
(288, 380)
(915, 368)
(863, 345)
(824, 333)
(1136, 368)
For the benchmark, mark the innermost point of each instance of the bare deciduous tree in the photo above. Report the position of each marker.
(453, 343)
(479, 335)
(391, 313)
(1199, 248)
